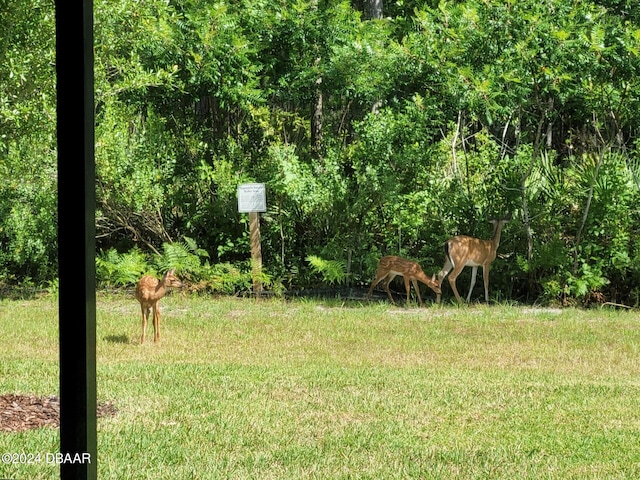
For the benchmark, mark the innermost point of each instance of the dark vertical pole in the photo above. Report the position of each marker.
(76, 238)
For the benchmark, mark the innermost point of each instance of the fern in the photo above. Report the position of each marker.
(226, 278)
(185, 257)
(332, 271)
(115, 269)
(191, 245)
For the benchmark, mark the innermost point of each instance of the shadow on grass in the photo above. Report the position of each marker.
(356, 297)
(117, 339)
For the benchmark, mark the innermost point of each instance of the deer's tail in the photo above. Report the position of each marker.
(447, 256)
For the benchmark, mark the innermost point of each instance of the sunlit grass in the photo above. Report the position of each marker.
(240, 388)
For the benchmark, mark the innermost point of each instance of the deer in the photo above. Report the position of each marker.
(464, 251)
(149, 291)
(391, 266)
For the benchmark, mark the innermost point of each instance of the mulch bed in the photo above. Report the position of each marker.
(24, 412)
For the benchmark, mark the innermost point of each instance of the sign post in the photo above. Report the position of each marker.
(252, 199)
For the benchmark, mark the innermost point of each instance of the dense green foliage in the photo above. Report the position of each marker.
(374, 136)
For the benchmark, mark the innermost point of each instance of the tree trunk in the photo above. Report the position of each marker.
(316, 119)
(372, 9)
(316, 108)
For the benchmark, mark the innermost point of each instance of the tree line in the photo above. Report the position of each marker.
(377, 128)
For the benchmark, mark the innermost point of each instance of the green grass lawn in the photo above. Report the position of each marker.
(271, 389)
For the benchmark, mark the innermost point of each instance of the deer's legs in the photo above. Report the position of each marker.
(156, 323)
(417, 287)
(388, 280)
(485, 275)
(452, 281)
(445, 270)
(373, 284)
(474, 271)
(407, 287)
(145, 317)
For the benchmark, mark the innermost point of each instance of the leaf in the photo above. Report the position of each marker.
(332, 271)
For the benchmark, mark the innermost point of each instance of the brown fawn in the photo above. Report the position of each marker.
(148, 292)
(391, 266)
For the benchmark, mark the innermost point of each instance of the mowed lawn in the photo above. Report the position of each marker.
(275, 389)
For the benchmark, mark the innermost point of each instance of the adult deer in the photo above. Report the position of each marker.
(463, 251)
(391, 266)
(148, 292)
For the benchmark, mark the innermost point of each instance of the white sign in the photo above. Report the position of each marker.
(252, 197)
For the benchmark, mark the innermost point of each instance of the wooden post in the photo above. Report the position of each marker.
(76, 238)
(252, 199)
(256, 252)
